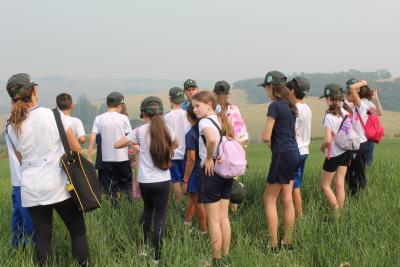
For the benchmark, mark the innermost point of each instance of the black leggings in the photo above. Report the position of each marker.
(356, 170)
(155, 198)
(42, 218)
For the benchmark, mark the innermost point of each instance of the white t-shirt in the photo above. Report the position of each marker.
(303, 128)
(15, 166)
(362, 109)
(179, 123)
(148, 173)
(333, 122)
(77, 127)
(206, 123)
(43, 181)
(112, 126)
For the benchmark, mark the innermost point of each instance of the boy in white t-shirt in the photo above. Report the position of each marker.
(21, 224)
(112, 126)
(299, 87)
(177, 120)
(64, 103)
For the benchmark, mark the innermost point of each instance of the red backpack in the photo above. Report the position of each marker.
(373, 128)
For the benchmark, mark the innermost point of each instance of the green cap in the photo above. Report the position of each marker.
(150, 106)
(115, 98)
(18, 83)
(349, 83)
(222, 87)
(176, 95)
(274, 78)
(332, 89)
(301, 84)
(189, 83)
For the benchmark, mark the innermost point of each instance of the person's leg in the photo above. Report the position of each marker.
(288, 212)
(177, 190)
(75, 223)
(201, 214)
(190, 207)
(325, 185)
(148, 209)
(298, 202)
(369, 153)
(177, 171)
(225, 226)
(351, 174)
(270, 196)
(362, 181)
(16, 220)
(42, 218)
(339, 186)
(112, 176)
(160, 198)
(25, 225)
(125, 178)
(214, 227)
(298, 180)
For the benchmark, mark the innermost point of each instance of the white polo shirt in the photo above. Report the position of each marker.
(43, 181)
(77, 127)
(206, 123)
(179, 123)
(303, 128)
(112, 126)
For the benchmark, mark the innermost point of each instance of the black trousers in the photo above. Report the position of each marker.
(42, 218)
(120, 175)
(155, 198)
(356, 171)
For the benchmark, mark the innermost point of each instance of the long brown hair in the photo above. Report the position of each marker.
(281, 91)
(335, 107)
(207, 97)
(20, 109)
(160, 142)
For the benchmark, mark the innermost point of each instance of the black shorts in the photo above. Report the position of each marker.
(214, 188)
(283, 167)
(331, 165)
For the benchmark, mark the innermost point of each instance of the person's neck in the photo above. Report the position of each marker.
(67, 112)
(33, 103)
(211, 113)
(175, 106)
(300, 101)
(112, 110)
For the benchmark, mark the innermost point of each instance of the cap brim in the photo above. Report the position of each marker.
(262, 84)
(322, 96)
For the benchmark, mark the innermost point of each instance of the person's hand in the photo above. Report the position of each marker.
(184, 188)
(134, 164)
(209, 167)
(375, 94)
(322, 148)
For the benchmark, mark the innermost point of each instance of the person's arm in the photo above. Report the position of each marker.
(267, 133)
(175, 144)
(82, 139)
(211, 140)
(92, 140)
(375, 97)
(123, 142)
(354, 88)
(327, 139)
(72, 141)
(190, 162)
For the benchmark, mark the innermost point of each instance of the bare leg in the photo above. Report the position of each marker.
(225, 226)
(325, 184)
(270, 196)
(214, 227)
(288, 211)
(298, 202)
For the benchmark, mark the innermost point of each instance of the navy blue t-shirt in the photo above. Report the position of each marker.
(283, 134)
(192, 143)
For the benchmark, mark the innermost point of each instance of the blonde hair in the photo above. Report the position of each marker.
(20, 109)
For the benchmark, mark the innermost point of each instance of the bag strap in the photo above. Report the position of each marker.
(8, 136)
(360, 119)
(63, 136)
(341, 124)
(220, 134)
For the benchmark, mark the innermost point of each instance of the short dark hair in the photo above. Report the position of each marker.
(64, 101)
(297, 93)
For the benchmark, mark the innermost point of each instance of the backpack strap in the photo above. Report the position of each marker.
(62, 134)
(8, 136)
(341, 124)
(220, 133)
(360, 119)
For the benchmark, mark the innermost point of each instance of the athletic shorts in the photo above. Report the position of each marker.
(214, 188)
(331, 165)
(283, 166)
(298, 174)
(194, 181)
(177, 170)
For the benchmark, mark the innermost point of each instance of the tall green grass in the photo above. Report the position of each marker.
(367, 233)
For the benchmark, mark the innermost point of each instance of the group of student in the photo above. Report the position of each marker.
(181, 147)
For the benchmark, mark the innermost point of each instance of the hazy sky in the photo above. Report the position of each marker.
(204, 39)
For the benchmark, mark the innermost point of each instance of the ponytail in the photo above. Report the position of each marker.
(281, 91)
(335, 107)
(226, 128)
(161, 143)
(20, 109)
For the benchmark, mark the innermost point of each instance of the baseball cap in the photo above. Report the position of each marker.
(189, 83)
(301, 84)
(18, 83)
(150, 106)
(115, 98)
(332, 89)
(176, 95)
(274, 78)
(222, 87)
(349, 83)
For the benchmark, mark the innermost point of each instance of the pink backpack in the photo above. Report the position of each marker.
(231, 160)
(373, 127)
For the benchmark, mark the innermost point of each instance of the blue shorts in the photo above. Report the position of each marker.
(177, 170)
(283, 166)
(194, 181)
(298, 174)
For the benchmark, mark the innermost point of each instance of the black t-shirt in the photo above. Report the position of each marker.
(283, 134)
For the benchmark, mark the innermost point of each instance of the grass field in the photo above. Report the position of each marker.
(367, 233)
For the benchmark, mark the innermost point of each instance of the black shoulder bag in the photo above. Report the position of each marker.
(84, 185)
